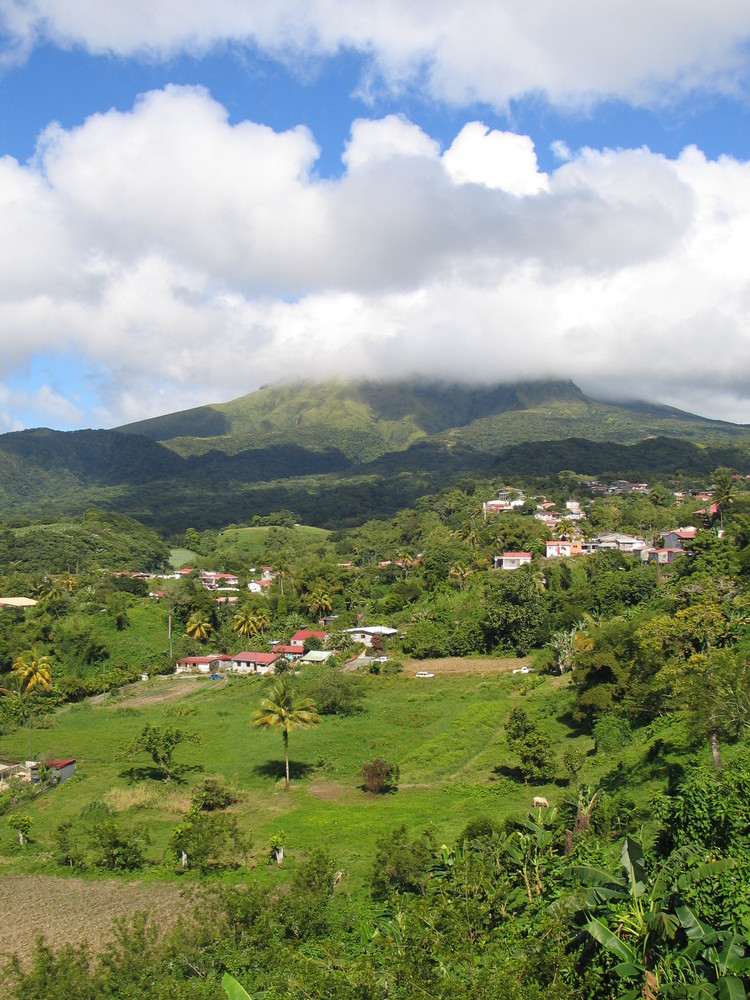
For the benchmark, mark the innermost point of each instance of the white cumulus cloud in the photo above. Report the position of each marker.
(184, 259)
(575, 53)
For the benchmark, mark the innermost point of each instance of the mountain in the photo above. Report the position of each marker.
(365, 420)
(336, 453)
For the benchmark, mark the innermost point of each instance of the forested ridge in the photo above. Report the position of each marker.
(338, 453)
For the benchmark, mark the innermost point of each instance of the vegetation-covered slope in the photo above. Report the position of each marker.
(337, 453)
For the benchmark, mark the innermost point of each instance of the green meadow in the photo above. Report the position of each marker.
(446, 734)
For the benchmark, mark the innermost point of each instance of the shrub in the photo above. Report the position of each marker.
(380, 775)
(611, 733)
(212, 794)
(401, 865)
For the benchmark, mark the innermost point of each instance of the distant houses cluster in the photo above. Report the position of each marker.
(265, 662)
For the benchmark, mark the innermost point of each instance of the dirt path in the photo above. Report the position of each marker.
(161, 689)
(467, 665)
(73, 910)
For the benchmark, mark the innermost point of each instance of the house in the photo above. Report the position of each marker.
(366, 633)
(58, 770)
(317, 656)
(512, 560)
(661, 557)
(617, 540)
(676, 538)
(213, 580)
(200, 664)
(289, 651)
(302, 635)
(259, 586)
(250, 662)
(559, 548)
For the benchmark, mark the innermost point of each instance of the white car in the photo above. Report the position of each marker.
(424, 673)
(523, 670)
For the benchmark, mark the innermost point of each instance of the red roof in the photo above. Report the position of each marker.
(291, 650)
(517, 555)
(201, 659)
(306, 633)
(255, 657)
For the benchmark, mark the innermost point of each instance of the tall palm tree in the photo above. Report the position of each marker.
(282, 711)
(198, 626)
(318, 601)
(245, 623)
(262, 620)
(32, 672)
(725, 491)
(460, 572)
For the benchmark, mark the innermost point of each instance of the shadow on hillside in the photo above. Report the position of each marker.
(575, 727)
(654, 764)
(275, 769)
(151, 773)
(516, 774)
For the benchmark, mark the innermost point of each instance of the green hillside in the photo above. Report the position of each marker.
(337, 453)
(364, 420)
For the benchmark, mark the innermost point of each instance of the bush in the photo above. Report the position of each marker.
(611, 733)
(401, 865)
(212, 794)
(380, 775)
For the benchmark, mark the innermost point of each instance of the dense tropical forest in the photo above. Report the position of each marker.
(560, 811)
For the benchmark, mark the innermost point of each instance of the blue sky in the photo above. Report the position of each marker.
(207, 198)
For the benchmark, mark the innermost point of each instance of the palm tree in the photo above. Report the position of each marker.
(245, 623)
(725, 491)
(198, 626)
(32, 672)
(281, 711)
(49, 592)
(461, 573)
(318, 601)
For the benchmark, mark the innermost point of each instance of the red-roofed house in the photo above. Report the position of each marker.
(512, 560)
(677, 537)
(299, 637)
(199, 664)
(249, 662)
(57, 770)
(288, 650)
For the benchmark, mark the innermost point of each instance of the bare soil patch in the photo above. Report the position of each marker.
(166, 689)
(328, 790)
(468, 665)
(73, 910)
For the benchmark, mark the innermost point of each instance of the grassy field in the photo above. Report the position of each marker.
(247, 543)
(446, 733)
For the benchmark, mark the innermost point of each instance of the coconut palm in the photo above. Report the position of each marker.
(262, 620)
(282, 711)
(32, 672)
(245, 622)
(461, 573)
(198, 626)
(318, 601)
(725, 491)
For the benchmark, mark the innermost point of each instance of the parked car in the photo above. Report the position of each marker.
(523, 670)
(424, 673)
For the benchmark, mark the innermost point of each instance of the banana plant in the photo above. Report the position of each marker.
(660, 942)
(233, 989)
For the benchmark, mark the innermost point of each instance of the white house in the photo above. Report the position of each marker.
(512, 560)
(366, 633)
(199, 664)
